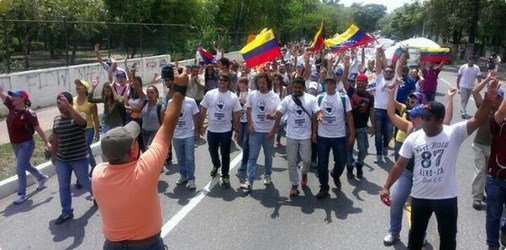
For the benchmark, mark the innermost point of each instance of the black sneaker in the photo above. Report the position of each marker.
(78, 186)
(225, 181)
(322, 194)
(360, 172)
(214, 172)
(63, 218)
(337, 182)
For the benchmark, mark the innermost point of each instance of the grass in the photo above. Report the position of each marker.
(8, 160)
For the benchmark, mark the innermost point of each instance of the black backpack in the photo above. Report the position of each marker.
(491, 64)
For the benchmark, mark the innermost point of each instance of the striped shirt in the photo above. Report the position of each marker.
(71, 139)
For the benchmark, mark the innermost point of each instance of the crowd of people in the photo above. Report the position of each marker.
(317, 100)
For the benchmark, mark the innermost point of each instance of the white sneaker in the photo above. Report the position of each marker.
(390, 239)
(246, 186)
(181, 180)
(20, 199)
(41, 184)
(191, 184)
(267, 180)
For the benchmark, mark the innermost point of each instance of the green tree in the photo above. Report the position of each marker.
(367, 16)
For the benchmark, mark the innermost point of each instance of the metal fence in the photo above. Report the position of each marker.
(35, 44)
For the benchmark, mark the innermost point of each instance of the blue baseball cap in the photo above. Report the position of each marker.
(338, 71)
(416, 111)
(500, 93)
(417, 95)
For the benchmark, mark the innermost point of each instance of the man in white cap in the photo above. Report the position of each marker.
(126, 186)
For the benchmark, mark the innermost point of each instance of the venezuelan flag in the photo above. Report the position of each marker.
(206, 56)
(351, 38)
(396, 55)
(264, 48)
(318, 39)
(434, 54)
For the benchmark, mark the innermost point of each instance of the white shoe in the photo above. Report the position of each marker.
(20, 199)
(267, 180)
(246, 186)
(191, 184)
(390, 239)
(181, 180)
(41, 184)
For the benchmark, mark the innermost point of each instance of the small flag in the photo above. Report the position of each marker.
(352, 37)
(397, 54)
(206, 56)
(434, 54)
(318, 39)
(263, 49)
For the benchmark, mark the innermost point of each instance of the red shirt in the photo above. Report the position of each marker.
(20, 123)
(497, 162)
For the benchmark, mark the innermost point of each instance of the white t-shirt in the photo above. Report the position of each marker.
(381, 94)
(434, 174)
(333, 124)
(261, 105)
(468, 75)
(298, 122)
(185, 126)
(220, 107)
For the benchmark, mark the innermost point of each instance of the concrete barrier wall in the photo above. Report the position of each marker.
(44, 84)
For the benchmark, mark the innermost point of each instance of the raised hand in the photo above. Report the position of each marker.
(452, 91)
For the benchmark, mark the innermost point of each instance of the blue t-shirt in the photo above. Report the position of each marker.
(405, 88)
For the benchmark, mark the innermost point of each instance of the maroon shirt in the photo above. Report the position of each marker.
(498, 150)
(20, 123)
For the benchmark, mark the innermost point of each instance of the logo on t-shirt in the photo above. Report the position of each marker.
(261, 106)
(220, 104)
(298, 111)
(328, 108)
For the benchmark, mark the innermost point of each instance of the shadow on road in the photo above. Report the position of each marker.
(72, 229)
(26, 206)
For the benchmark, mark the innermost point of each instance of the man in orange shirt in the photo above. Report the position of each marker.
(125, 186)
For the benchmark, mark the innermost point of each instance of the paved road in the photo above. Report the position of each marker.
(217, 218)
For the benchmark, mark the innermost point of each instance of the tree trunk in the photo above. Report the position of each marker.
(73, 55)
(475, 15)
(26, 52)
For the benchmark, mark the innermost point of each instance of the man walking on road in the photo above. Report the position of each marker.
(261, 130)
(300, 108)
(223, 106)
(467, 75)
(126, 186)
(435, 150)
(329, 132)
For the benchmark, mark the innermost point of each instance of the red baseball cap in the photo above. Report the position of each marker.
(19, 93)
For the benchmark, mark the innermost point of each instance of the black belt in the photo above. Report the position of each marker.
(142, 242)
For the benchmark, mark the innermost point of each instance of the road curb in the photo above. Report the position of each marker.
(9, 186)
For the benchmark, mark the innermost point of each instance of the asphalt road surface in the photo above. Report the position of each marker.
(216, 218)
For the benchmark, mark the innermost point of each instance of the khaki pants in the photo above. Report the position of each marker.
(481, 157)
(303, 147)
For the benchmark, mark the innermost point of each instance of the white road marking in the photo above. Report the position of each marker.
(179, 216)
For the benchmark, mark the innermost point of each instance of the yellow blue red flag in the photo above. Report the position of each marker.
(352, 37)
(434, 54)
(263, 49)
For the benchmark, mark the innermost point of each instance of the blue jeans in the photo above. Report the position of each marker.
(446, 211)
(257, 139)
(23, 152)
(399, 194)
(338, 146)
(185, 153)
(244, 144)
(90, 135)
(156, 245)
(223, 141)
(63, 172)
(362, 144)
(383, 133)
(147, 137)
(496, 199)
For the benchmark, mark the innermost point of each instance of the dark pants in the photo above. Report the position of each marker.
(496, 199)
(338, 146)
(446, 211)
(156, 244)
(222, 141)
(245, 145)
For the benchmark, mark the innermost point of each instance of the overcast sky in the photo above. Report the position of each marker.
(392, 4)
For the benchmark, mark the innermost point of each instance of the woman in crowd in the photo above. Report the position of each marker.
(280, 90)
(21, 124)
(151, 115)
(210, 78)
(242, 93)
(113, 105)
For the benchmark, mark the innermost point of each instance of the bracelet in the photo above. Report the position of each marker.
(180, 89)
